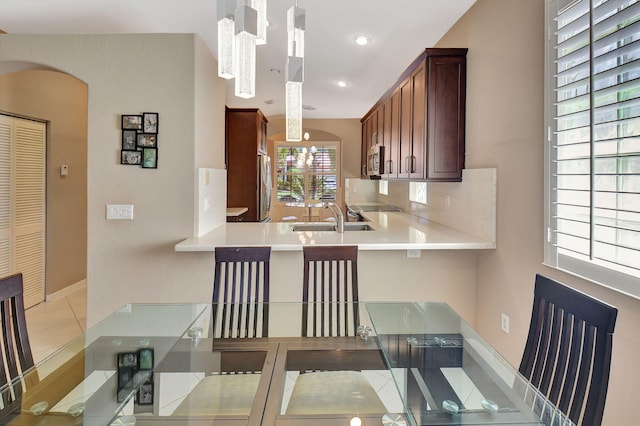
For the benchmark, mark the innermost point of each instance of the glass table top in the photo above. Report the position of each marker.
(448, 374)
(412, 363)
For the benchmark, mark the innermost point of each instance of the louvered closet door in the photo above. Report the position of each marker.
(22, 189)
(5, 196)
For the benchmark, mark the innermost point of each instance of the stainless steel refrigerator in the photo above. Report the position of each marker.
(264, 188)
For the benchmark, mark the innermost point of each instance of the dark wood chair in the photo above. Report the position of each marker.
(568, 351)
(330, 291)
(17, 357)
(240, 303)
(239, 309)
(330, 309)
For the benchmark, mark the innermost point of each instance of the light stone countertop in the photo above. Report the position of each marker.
(392, 231)
(236, 211)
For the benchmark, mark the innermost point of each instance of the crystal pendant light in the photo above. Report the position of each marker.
(226, 38)
(293, 94)
(295, 73)
(246, 21)
(261, 8)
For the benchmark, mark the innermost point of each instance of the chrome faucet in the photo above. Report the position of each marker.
(337, 213)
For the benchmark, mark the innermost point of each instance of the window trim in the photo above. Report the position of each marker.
(589, 270)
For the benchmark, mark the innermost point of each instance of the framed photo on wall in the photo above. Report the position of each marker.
(131, 122)
(149, 158)
(129, 140)
(132, 158)
(147, 140)
(150, 122)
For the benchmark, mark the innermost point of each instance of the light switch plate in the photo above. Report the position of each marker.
(120, 211)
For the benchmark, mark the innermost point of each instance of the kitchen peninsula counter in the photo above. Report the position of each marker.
(391, 231)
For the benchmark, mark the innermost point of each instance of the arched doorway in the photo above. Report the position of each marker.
(36, 92)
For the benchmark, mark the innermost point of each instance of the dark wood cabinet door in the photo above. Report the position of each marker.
(405, 129)
(395, 165)
(373, 131)
(380, 129)
(418, 123)
(262, 136)
(365, 143)
(446, 117)
(387, 141)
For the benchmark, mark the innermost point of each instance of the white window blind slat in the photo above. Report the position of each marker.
(572, 151)
(573, 74)
(570, 11)
(615, 58)
(623, 74)
(609, 16)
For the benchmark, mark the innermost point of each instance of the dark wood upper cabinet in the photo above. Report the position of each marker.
(421, 119)
(446, 101)
(246, 138)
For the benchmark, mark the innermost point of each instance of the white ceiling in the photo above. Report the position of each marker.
(399, 30)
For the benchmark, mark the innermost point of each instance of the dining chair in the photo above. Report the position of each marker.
(17, 357)
(330, 309)
(567, 355)
(239, 309)
(240, 303)
(330, 291)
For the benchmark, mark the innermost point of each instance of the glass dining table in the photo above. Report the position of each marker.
(150, 364)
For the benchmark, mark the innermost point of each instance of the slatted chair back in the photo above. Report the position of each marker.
(330, 291)
(240, 303)
(567, 356)
(17, 357)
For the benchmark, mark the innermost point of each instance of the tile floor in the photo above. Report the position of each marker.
(54, 323)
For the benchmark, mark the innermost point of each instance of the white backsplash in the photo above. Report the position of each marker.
(212, 199)
(358, 191)
(469, 206)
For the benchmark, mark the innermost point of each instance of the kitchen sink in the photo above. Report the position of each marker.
(353, 226)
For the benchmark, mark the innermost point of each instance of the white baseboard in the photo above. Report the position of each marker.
(67, 290)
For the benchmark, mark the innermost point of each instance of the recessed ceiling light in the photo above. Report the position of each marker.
(362, 40)
(342, 83)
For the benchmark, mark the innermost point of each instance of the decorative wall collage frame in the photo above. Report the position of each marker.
(140, 140)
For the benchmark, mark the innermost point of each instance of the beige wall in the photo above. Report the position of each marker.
(505, 130)
(131, 261)
(348, 130)
(61, 100)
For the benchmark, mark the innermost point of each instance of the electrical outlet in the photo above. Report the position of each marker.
(413, 254)
(505, 323)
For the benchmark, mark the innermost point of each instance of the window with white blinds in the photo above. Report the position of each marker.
(307, 171)
(594, 130)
